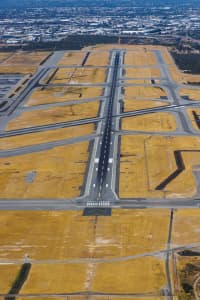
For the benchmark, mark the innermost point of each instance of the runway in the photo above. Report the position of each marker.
(100, 187)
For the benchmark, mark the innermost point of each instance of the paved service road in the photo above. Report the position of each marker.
(79, 204)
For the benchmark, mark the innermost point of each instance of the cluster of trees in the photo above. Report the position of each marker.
(73, 42)
(188, 62)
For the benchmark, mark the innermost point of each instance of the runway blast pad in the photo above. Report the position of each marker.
(97, 211)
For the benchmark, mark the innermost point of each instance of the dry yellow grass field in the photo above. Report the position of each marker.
(69, 235)
(138, 48)
(136, 232)
(60, 94)
(79, 75)
(141, 57)
(73, 297)
(159, 122)
(57, 173)
(119, 277)
(141, 104)
(46, 136)
(100, 297)
(193, 94)
(136, 298)
(136, 81)
(55, 115)
(26, 58)
(8, 275)
(186, 219)
(134, 177)
(146, 161)
(72, 58)
(122, 277)
(65, 234)
(144, 92)
(133, 298)
(4, 55)
(15, 69)
(56, 278)
(23, 62)
(142, 72)
(98, 59)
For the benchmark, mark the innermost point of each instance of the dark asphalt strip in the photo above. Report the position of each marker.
(85, 58)
(19, 281)
(196, 118)
(180, 168)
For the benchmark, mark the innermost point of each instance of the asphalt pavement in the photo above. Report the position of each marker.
(102, 177)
